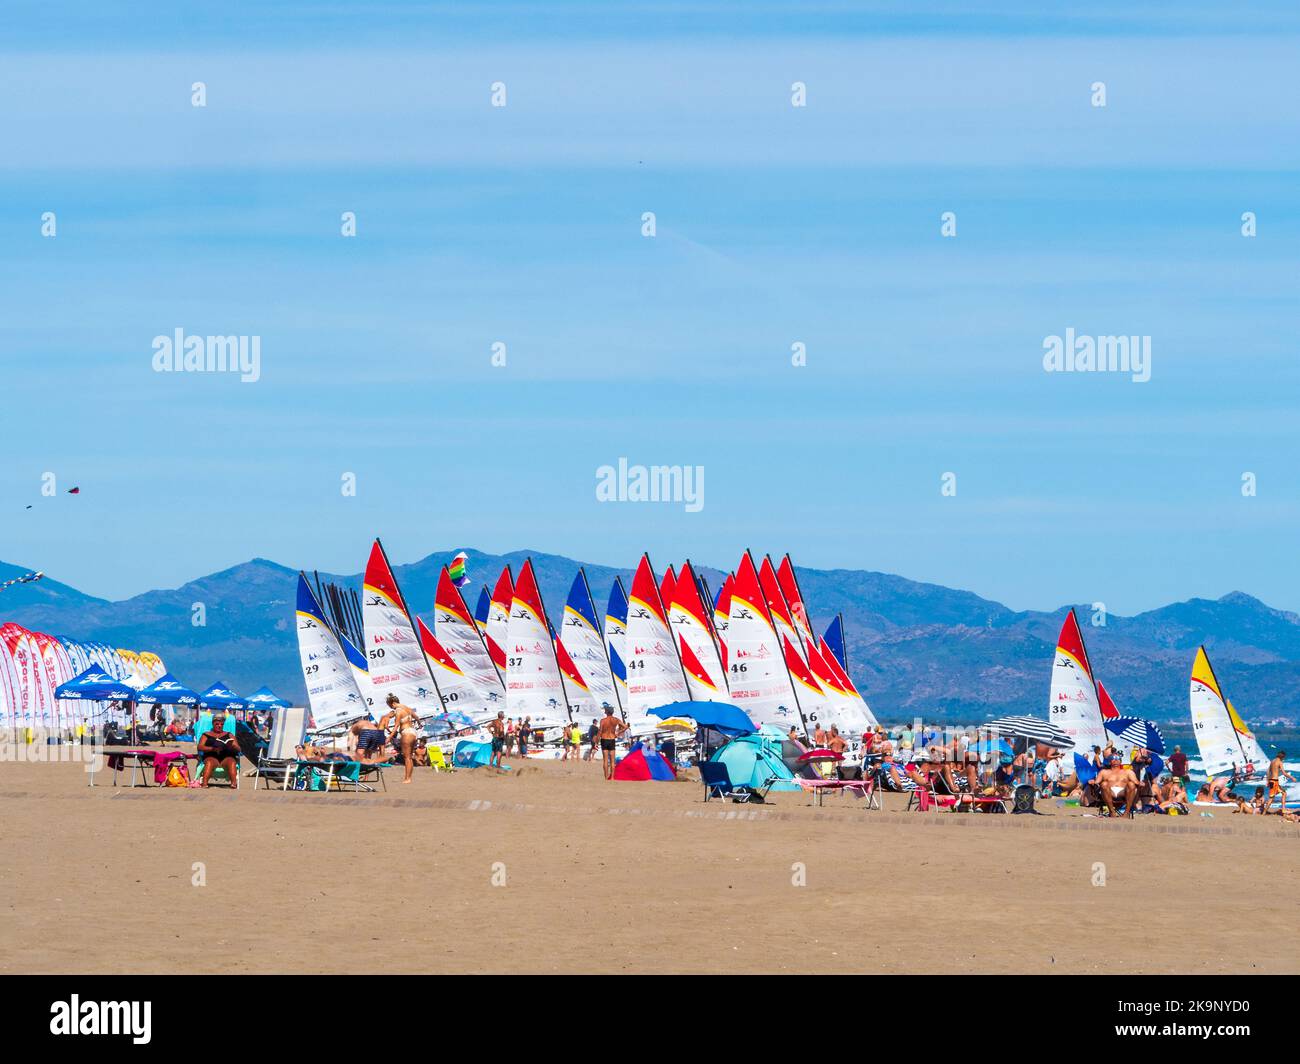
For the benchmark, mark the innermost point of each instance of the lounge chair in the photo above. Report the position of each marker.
(276, 763)
(717, 784)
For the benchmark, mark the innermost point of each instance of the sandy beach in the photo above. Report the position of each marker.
(618, 877)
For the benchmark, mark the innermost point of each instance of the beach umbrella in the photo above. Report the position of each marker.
(219, 696)
(1033, 729)
(1137, 732)
(265, 698)
(820, 753)
(721, 716)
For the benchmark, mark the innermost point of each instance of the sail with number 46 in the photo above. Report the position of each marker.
(757, 676)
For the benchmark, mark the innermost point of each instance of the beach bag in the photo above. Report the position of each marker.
(177, 777)
(1024, 799)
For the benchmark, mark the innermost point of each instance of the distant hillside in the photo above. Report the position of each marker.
(914, 648)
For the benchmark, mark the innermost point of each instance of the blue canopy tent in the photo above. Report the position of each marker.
(265, 698)
(95, 685)
(219, 696)
(168, 691)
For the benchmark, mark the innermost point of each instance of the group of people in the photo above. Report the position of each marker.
(603, 733)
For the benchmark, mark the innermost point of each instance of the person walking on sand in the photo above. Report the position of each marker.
(1276, 774)
(405, 732)
(497, 729)
(611, 728)
(593, 738)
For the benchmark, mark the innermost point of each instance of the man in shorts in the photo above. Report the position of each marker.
(611, 728)
(497, 729)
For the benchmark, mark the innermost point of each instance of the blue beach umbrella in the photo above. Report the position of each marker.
(1137, 732)
(721, 716)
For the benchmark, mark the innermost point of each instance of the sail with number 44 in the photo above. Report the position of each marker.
(654, 669)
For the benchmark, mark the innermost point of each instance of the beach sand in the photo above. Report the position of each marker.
(618, 877)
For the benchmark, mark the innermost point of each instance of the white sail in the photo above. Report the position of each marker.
(654, 670)
(1225, 742)
(534, 686)
(332, 690)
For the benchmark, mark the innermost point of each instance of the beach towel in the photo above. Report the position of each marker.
(162, 764)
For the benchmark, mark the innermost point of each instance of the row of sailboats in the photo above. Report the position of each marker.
(667, 640)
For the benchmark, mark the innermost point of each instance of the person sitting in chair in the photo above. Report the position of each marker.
(219, 750)
(1118, 784)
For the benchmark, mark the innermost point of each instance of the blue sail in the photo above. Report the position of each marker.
(834, 638)
(484, 606)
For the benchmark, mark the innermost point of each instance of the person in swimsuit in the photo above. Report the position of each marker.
(219, 750)
(1118, 783)
(405, 732)
(1213, 790)
(610, 730)
(497, 729)
(371, 740)
(1276, 774)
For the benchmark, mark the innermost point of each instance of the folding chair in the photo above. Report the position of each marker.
(717, 784)
(437, 759)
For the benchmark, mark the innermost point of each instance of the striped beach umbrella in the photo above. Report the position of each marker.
(1033, 729)
(1137, 732)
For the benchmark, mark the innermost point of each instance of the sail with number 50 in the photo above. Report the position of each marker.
(1074, 706)
(1222, 736)
(757, 676)
(332, 690)
(455, 630)
(654, 670)
(458, 691)
(584, 641)
(686, 617)
(534, 685)
(395, 658)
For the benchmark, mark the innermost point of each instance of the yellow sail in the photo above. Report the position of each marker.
(1203, 674)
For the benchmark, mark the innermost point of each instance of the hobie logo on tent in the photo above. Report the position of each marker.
(638, 483)
(79, 1017)
(179, 353)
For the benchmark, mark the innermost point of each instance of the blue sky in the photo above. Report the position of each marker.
(776, 225)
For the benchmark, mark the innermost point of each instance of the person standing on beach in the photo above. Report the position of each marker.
(525, 730)
(593, 738)
(611, 728)
(1276, 773)
(406, 732)
(497, 729)
(510, 736)
(1178, 765)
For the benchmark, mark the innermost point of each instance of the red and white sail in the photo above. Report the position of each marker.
(396, 661)
(705, 675)
(456, 632)
(1074, 705)
(499, 618)
(534, 685)
(654, 669)
(722, 616)
(757, 676)
(789, 585)
(456, 687)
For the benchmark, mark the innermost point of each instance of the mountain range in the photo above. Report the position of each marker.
(915, 649)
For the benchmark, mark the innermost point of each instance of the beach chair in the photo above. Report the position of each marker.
(437, 759)
(276, 762)
(717, 784)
